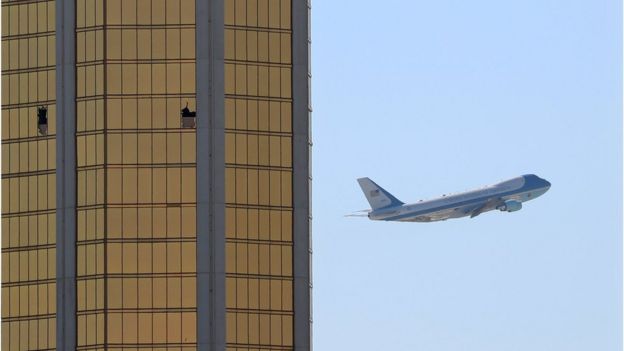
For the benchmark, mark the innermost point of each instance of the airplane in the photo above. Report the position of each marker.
(504, 196)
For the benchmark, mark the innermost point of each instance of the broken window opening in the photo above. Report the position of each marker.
(42, 120)
(188, 117)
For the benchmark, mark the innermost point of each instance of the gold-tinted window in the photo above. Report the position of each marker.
(136, 174)
(91, 173)
(28, 176)
(258, 189)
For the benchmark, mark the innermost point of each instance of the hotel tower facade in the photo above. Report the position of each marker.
(155, 175)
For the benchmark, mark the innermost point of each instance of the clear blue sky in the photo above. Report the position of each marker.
(427, 97)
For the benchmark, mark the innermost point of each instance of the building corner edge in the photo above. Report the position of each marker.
(302, 236)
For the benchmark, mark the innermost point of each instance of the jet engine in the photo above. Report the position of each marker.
(511, 206)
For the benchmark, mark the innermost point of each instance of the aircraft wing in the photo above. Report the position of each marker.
(489, 204)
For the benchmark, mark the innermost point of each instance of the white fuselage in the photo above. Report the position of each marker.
(471, 203)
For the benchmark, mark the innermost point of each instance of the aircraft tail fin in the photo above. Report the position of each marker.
(377, 196)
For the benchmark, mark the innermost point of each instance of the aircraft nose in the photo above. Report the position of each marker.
(546, 183)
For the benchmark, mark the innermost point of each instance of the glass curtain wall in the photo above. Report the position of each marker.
(28, 176)
(90, 173)
(136, 175)
(258, 154)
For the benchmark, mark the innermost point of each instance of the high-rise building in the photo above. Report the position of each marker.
(155, 175)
